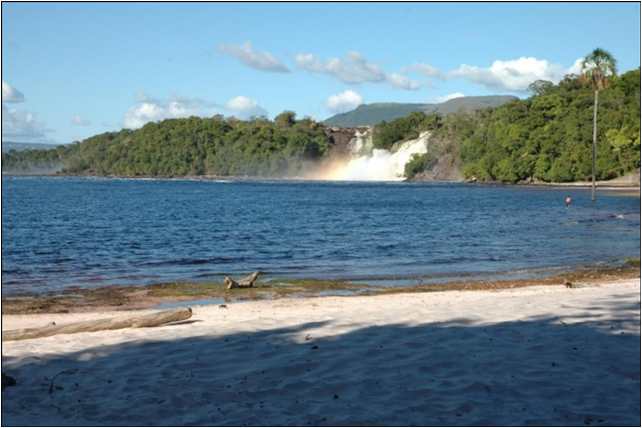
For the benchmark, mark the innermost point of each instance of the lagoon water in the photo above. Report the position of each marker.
(60, 232)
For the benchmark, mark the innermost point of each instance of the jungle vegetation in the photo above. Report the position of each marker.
(547, 137)
(190, 146)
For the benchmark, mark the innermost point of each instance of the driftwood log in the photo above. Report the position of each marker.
(246, 282)
(150, 320)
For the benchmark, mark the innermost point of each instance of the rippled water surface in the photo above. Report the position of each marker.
(60, 232)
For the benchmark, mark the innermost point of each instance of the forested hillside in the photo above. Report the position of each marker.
(546, 137)
(192, 146)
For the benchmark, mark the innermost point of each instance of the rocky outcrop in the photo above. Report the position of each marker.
(447, 167)
(340, 139)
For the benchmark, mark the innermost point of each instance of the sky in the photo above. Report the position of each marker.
(72, 70)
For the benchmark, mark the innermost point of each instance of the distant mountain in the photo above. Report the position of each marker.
(371, 114)
(471, 103)
(12, 145)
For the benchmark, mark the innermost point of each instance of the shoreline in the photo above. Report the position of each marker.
(609, 185)
(171, 294)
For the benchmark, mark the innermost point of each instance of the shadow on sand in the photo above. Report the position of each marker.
(541, 371)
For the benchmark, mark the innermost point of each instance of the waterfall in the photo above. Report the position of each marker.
(369, 164)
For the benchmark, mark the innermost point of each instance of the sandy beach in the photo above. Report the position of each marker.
(540, 355)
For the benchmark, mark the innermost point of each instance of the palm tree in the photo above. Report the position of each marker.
(597, 68)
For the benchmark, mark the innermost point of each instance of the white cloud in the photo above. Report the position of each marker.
(576, 68)
(403, 82)
(513, 75)
(245, 108)
(310, 62)
(344, 101)
(22, 126)
(425, 69)
(354, 68)
(79, 121)
(259, 60)
(11, 94)
(151, 110)
(445, 98)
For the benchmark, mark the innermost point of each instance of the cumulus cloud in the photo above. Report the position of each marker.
(344, 101)
(152, 110)
(79, 121)
(148, 109)
(11, 94)
(245, 53)
(576, 68)
(425, 69)
(244, 107)
(23, 126)
(513, 75)
(354, 68)
(402, 82)
(445, 98)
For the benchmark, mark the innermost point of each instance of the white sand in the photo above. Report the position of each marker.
(529, 356)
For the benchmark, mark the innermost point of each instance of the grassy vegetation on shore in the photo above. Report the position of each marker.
(145, 297)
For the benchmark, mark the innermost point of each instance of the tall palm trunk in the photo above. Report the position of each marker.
(597, 92)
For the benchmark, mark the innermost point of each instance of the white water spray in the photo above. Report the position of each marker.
(369, 164)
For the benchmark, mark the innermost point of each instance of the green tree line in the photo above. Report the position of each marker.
(548, 136)
(545, 137)
(191, 146)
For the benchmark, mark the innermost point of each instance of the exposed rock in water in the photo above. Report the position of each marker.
(444, 162)
(447, 167)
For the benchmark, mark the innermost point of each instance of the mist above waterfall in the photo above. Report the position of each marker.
(366, 163)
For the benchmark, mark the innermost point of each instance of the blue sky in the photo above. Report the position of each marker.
(72, 70)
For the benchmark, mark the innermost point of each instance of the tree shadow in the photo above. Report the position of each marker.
(538, 371)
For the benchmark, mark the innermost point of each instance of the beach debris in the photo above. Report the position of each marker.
(246, 282)
(7, 381)
(570, 284)
(222, 306)
(150, 320)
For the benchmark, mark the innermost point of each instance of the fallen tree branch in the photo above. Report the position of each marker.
(149, 320)
(246, 282)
